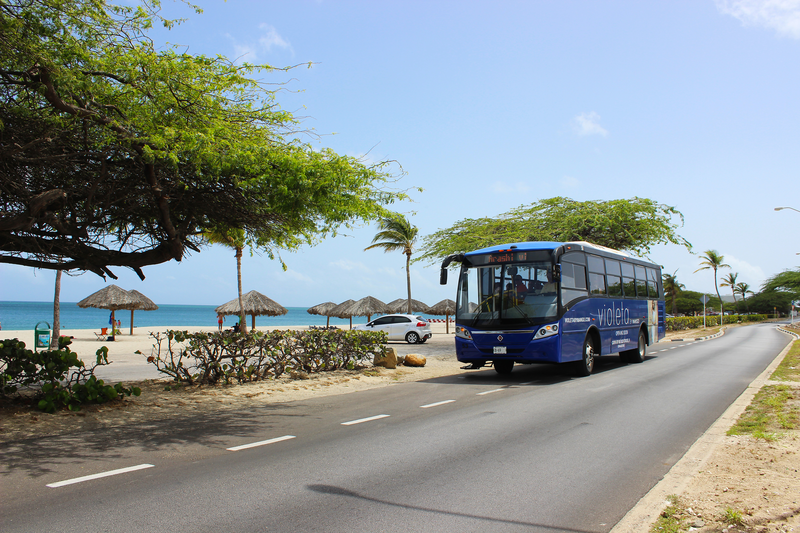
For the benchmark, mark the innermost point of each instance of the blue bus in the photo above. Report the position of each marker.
(555, 302)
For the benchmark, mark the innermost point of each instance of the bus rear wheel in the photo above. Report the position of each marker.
(585, 366)
(637, 355)
(503, 367)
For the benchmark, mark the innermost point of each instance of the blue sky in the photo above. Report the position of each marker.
(489, 106)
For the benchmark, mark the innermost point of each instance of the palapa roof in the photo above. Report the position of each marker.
(254, 303)
(321, 309)
(143, 303)
(111, 297)
(445, 307)
(368, 306)
(341, 310)
(401, 306)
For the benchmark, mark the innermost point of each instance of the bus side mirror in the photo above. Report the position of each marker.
(447, 260)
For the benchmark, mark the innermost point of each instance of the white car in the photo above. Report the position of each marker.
(409, 328)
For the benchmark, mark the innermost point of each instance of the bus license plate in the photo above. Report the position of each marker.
(500, 350)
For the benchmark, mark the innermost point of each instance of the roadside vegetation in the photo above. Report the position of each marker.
(54, 379)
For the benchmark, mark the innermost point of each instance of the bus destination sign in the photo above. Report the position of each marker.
(499, 258)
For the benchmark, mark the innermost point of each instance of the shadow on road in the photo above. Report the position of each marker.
(39, 456)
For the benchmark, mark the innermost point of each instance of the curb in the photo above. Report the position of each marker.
(715, 335)
(675, 481)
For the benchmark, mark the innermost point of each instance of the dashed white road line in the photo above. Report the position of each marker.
(490, 391)
(260, 443)
(436, 404)
(362, 420)
(98, 476)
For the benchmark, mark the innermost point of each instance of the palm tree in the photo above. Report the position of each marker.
(232, 238)
(744, 289)
(397, 233)
(730, 281)
(713, 260)
(672, 287)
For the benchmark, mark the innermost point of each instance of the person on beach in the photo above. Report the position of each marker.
(219, 322)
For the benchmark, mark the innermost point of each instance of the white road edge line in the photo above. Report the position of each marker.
(98, 476)
(361, 420)
(435, 404)
(261, 443)
(489, 391)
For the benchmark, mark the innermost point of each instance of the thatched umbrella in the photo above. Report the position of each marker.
(342, 311)
(255, 304)
(401, 306)
(111, 297)
(143, 303)
(368, 306)
(322, 309)
(446, 308)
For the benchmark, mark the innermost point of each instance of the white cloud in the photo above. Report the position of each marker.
(782, 16)
(589, 124)
(271, 38)
(750, 274)
(252, 52)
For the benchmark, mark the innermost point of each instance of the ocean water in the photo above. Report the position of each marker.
(25, 315)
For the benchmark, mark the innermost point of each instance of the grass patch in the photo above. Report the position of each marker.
(733, 517)
(671, 518)
(773, 409)
(789, 369)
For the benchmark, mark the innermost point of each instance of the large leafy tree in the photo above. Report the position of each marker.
(713, 260)
(397, 233)
(115, 153)
(634, 225)
(787, 281)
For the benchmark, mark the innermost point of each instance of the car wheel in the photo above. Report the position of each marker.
(503, 367)
(412, 337)
(585, 366)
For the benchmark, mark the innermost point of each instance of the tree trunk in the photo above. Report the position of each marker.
(242, 317)
(408, 279)
(56, 312)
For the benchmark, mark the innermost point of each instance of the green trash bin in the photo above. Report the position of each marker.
(41, 336)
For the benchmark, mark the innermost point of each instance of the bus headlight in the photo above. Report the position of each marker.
(547, 331)
(463, 333)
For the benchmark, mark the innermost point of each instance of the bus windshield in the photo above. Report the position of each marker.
(514, 295)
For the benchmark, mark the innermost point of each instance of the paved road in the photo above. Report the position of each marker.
(537, 451)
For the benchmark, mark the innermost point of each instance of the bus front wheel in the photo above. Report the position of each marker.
(585, 366)
(503, 367)
(637, 355)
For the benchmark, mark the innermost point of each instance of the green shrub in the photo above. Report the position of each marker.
(226, 357)
(681, 323)
(58, 378)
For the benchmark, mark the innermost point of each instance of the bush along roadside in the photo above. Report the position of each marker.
(682, 323)
(224, 358)
(57, 378)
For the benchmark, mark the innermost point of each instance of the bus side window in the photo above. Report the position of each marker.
(614, 276)
(641, 281)
(573, 279)
(628, 281)
(597, 278)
